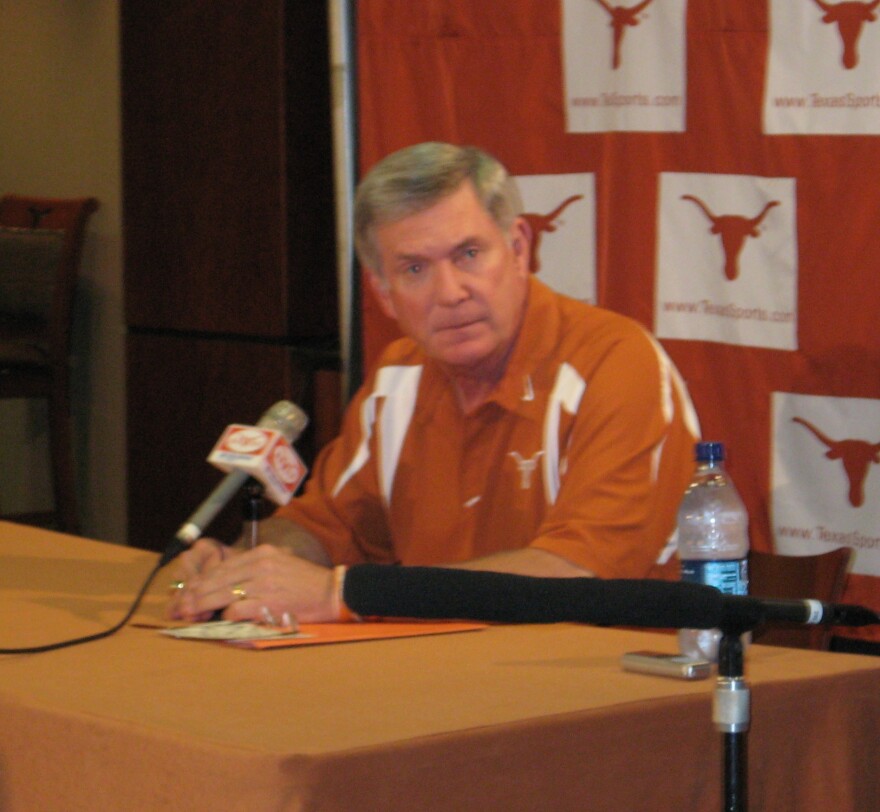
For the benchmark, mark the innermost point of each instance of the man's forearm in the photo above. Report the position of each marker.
(287, 535)
(528, 561)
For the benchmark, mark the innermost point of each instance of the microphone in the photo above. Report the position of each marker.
(441, 593)
(283, 417)
(806, 612)
(434, 592)
(265, 455)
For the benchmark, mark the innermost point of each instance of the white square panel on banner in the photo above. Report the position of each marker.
(624, 65)
(823, 68)
(561, 210)
(727, 260)
(825, 486)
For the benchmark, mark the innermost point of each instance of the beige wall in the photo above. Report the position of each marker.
(60, 136)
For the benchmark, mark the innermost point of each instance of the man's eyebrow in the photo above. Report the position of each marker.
(412, 256)
(408, 257)
(467, 242)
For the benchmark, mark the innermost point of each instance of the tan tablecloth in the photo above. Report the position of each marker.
(507, 718)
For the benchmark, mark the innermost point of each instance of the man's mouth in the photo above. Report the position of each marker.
(458, 325)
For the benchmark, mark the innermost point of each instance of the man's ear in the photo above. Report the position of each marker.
(379, 286)
(521, 240)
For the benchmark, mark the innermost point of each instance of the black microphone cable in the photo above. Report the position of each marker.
(97, 635)
(283, 416)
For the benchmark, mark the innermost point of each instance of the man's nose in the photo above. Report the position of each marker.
(449, 284)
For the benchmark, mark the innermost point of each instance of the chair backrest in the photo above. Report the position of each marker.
(29, 262)
(47, 215)
(821, 577)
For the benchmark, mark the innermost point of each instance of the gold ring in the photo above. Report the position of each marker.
(174, 586)
(239, 592)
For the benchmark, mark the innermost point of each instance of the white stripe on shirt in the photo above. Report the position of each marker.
(399, 385)
(568, 389)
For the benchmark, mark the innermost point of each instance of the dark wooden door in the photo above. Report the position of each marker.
(229, 228)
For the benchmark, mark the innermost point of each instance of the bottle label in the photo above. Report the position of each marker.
(728, 576)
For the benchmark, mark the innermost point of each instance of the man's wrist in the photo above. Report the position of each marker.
(340, 609)
(287, 535)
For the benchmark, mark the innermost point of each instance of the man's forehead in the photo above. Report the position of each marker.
(454, 217)
(415, 206)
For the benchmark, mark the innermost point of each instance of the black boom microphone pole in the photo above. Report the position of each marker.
(446, 593)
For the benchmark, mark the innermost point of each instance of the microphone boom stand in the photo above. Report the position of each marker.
(731, 715)
(252, 511)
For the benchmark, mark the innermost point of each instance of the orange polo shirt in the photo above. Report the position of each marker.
(584, 450)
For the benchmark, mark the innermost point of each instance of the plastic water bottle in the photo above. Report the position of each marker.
(713, 541)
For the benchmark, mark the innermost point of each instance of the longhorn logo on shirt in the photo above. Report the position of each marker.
(526, 467)
(734, 229)
(856, 455)
(621, 17)
(850, 17)
(544, 224)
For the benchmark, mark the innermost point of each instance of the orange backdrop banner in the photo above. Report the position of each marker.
(711, 169)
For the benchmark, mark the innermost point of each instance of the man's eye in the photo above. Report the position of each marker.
(470, 253)
(412, 270)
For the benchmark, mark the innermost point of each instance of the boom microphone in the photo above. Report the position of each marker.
(807, 612)
(441, 593)
(284, 417)
(434, 592)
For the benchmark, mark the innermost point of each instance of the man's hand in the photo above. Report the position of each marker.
(200, 559)
(262, 586)
(262, 583)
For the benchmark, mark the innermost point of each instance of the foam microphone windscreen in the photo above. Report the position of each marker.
(445, 593)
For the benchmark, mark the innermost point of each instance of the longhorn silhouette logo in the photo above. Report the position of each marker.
(734, 229)
(544, 224)
(856, 455)
(526, 467)
(850, 17)
(621, 17)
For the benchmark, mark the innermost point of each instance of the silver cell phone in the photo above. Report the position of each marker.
(665, 665)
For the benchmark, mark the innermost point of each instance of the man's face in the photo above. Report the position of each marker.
(454, 282)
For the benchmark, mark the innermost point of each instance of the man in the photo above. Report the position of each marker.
(513, 429)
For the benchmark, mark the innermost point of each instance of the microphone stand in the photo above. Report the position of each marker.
(731, 715)
(252, 510)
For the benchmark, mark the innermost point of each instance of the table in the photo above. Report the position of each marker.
(506, 718)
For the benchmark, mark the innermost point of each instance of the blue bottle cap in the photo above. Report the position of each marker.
(709, 452)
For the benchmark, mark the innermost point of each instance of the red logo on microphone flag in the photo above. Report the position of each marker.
(264, 454)
(244, 440)
(287, 465)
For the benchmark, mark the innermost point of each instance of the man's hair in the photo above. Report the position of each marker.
(415, 178)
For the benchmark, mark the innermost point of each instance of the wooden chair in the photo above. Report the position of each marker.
(41, 243)
(821, 577)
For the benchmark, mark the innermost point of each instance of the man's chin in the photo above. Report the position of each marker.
(455, 351)
(461, 356)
